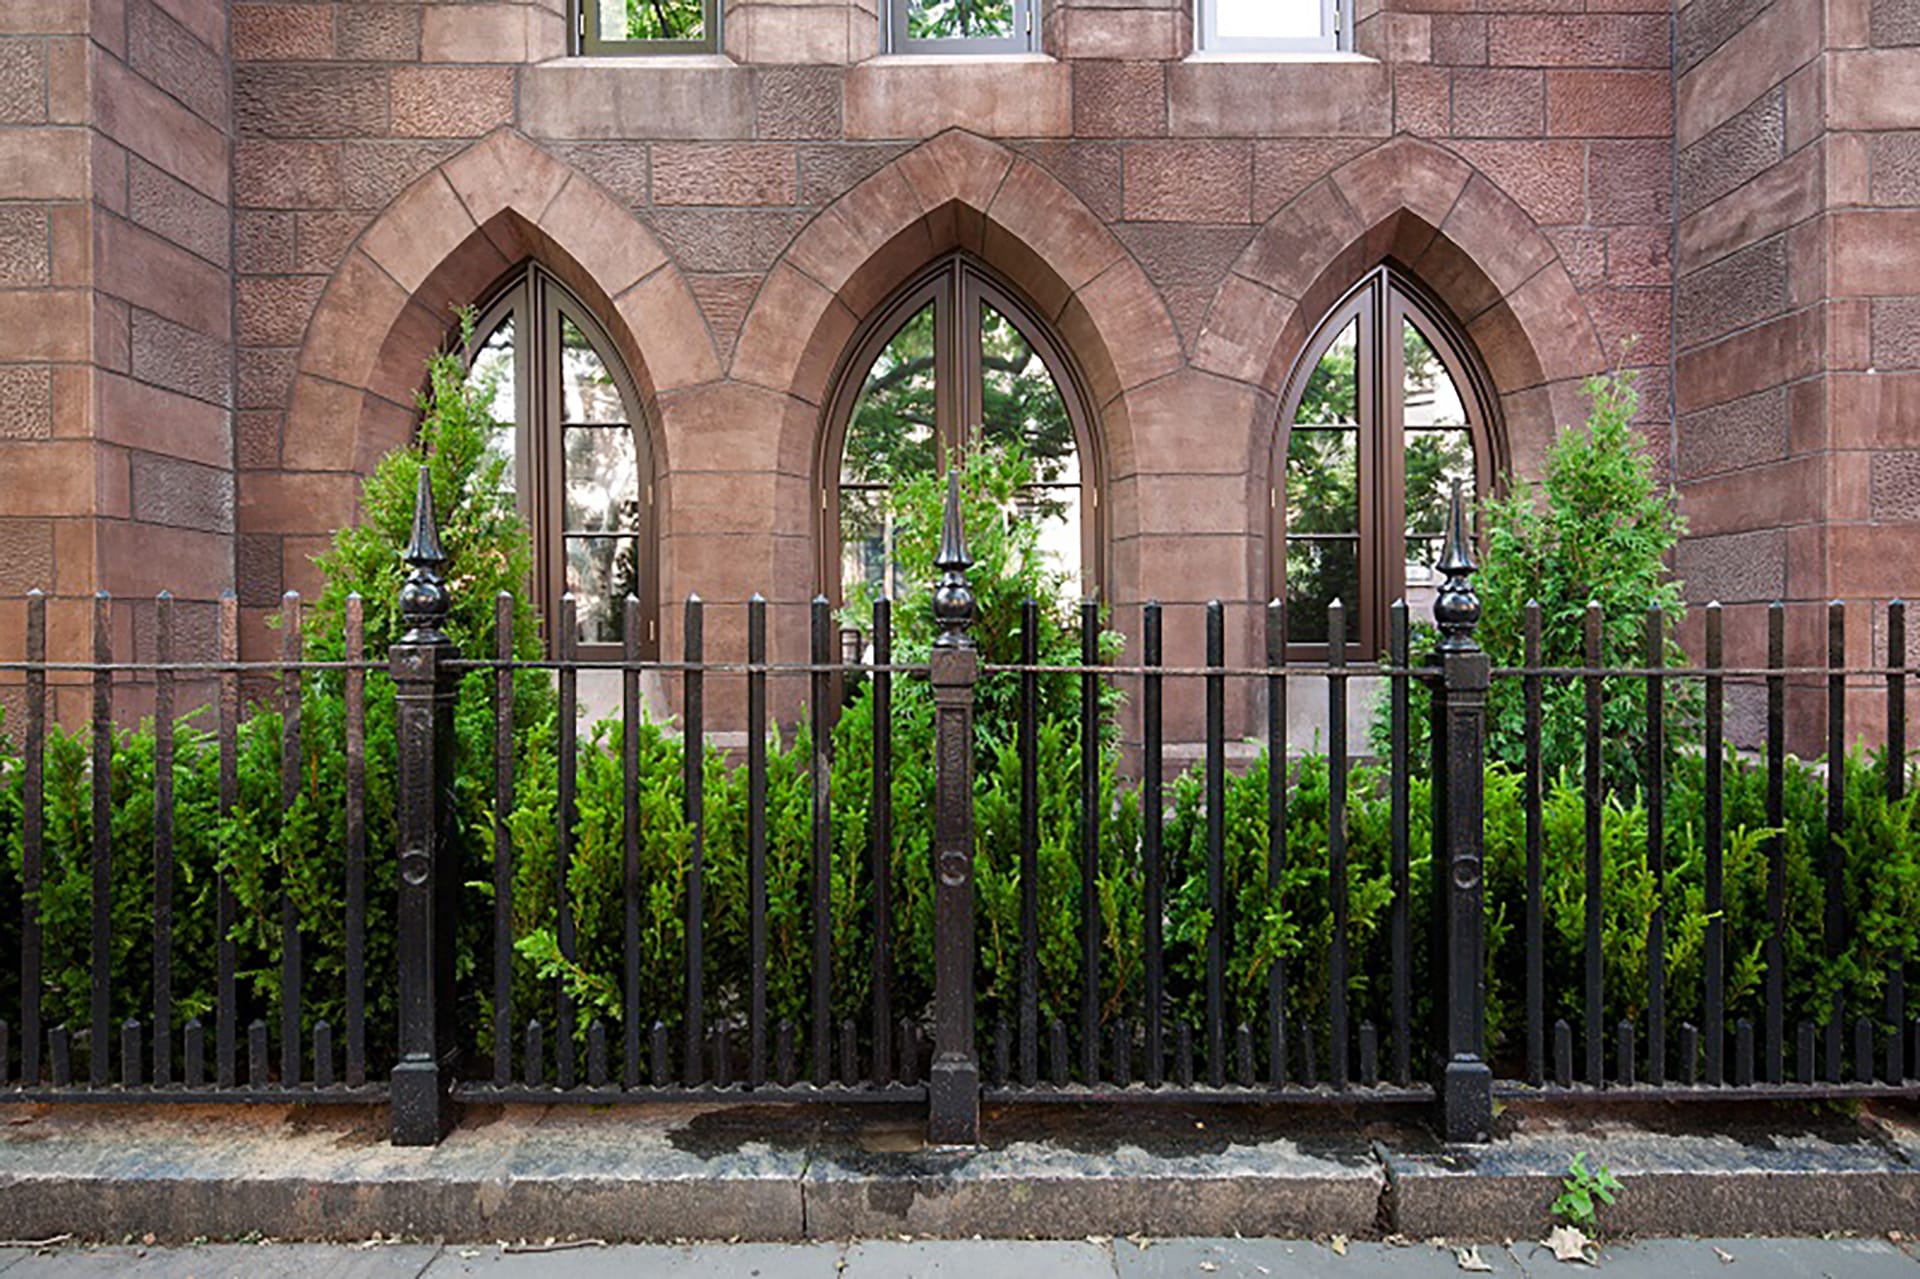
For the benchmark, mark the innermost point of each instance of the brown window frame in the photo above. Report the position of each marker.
(538, 302)
(956, 286)
(1381, 301)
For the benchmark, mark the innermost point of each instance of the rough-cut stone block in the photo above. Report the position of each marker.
(797, 102)
(1896, 486)
(1734, 567)
(1896, 333)
(1497, 103)
(1740, 433)
(1119, 99)
(742, 173)
(172, 209)
(1640, 255)
(264, 241)
(1459, 39)
(377, 32)
(1630, 181)
(1422, 97)
(1577, 40)
(1188, 181)
(274, 310)
(1740, 289)
(25, 247)
(1547, 179)
(26, 555)
(373, 173)
(282, 32)
(23, 82)
(1894, 22)
(450, 102)
(1599, 104)
(181, 494)
(728, 239)
(724, 300)
(1733, 153)
(1283, 168)
(181, 359)
(299, 101)
(829, 172)
(264, 378)
(1779, 197)
(26, 402)
(286, 175)
(1706, 24)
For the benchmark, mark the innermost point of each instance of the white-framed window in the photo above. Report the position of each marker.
(1275, 26)
(960, 26)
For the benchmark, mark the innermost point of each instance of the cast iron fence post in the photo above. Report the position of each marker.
(429, 881)
(1459, 762)
(953, 1091)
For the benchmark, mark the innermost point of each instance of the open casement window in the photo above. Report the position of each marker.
(567, 415)
(954, 361)
(1275, 26)
(959, 26)
(646, 26)
(1386, 408)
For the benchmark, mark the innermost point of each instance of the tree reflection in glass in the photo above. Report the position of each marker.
(890, 436)
(959, 19)
(600, 490)
(1323, 494)
(1020, 405)
(653, 19)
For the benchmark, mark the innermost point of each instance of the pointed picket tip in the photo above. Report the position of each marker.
(756, 598)
(423, 546)
(693, 597)
(1456, 556)
(953, 535)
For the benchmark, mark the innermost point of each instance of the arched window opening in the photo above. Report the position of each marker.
(568, 418)
(1385, 410)
(954, 361)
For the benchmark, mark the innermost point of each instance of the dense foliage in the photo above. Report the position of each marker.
(266, 847)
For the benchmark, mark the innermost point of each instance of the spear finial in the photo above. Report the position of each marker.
(424, 599)
(953, 604)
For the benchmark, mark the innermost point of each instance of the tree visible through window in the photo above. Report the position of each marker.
(959, 26)
(949, 366)
(642, 26)
(567, 420)
(1384, 420)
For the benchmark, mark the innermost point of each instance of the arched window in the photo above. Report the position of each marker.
(1385, 409)
(568, 416)
(953, 361)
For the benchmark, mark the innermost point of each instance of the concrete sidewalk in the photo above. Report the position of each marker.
(963, 1259)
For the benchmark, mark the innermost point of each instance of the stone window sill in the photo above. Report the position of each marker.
(1279, 55)
(683, 61)
(953, 59)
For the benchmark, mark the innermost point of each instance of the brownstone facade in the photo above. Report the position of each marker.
(230, 233)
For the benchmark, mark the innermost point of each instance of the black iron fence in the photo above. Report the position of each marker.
(1471, 923)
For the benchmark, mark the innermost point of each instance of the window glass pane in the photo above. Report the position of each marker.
(1323, 481)
(958, 19)
(1020, 403)
(890, 435)
(601, 573)
(1320, 571)
(492, 372)
(1055, 510)
(1430, 395)
(587, 390)
(1333, 391)
(1435, 459)
(1266, 19)
(866, 542)
(602, 488)
(652, 19)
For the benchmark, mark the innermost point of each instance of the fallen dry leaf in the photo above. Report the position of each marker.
(1726, 1258)
(1567, 1243)
(1470, 1259)
(1339, 1245)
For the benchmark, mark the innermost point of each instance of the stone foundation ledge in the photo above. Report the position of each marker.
(641, 1173)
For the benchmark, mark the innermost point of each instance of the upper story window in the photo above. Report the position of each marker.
(647, 26)
(953, 362)
(1385, 410)
(959, 26)
(1275, 26)
(567, 415)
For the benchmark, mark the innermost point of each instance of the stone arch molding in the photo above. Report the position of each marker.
(958, 191)
(440, 243)
(1456, 232)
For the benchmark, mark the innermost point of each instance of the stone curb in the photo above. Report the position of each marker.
(660, 1173)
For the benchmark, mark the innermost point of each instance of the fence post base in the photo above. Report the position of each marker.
(1466, 1101)
(421, 1100)
(953, 1102)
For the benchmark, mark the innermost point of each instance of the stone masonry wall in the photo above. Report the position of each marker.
(1799, 259)
(116, 342)
(1185, 219)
